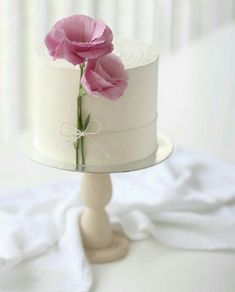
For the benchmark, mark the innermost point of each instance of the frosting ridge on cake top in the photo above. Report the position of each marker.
(133, 54)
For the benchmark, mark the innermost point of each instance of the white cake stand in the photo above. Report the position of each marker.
(100, 242)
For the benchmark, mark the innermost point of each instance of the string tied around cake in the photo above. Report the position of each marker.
(69, 130)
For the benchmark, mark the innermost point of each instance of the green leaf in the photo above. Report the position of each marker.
(82, 92)
(86, 123)
(76, 145)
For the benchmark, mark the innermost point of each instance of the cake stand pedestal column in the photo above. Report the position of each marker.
(100, 242)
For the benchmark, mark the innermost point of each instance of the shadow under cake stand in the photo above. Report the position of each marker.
(100, 242)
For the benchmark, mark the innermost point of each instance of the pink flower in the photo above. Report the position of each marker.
(105, 76)
(78, 38)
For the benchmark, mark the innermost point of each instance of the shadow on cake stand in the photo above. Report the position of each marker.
(101, 243)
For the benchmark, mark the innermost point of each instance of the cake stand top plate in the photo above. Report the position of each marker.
(165, 148)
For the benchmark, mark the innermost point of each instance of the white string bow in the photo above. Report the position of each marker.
(70, 130)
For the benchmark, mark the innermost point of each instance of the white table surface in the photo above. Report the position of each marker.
(149, 267)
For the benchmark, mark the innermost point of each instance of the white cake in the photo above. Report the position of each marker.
(128, 125)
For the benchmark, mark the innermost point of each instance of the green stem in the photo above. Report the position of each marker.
(80, 142)
(78, 127)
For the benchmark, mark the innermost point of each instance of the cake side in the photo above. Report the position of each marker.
(127, 128)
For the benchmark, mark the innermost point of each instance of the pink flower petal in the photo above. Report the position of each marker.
(114, 92)
(95, 82)
(78, 38)
(105, 76)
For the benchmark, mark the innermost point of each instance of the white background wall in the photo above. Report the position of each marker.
(171, 25)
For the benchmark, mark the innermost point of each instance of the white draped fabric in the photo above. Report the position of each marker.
(169, 24)
(187, 202)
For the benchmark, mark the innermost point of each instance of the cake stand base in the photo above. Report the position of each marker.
(101, 244)
(117, 250)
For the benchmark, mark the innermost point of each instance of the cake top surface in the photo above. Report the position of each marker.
(133, 54)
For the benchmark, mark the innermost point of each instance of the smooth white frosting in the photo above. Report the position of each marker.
(128, 125)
